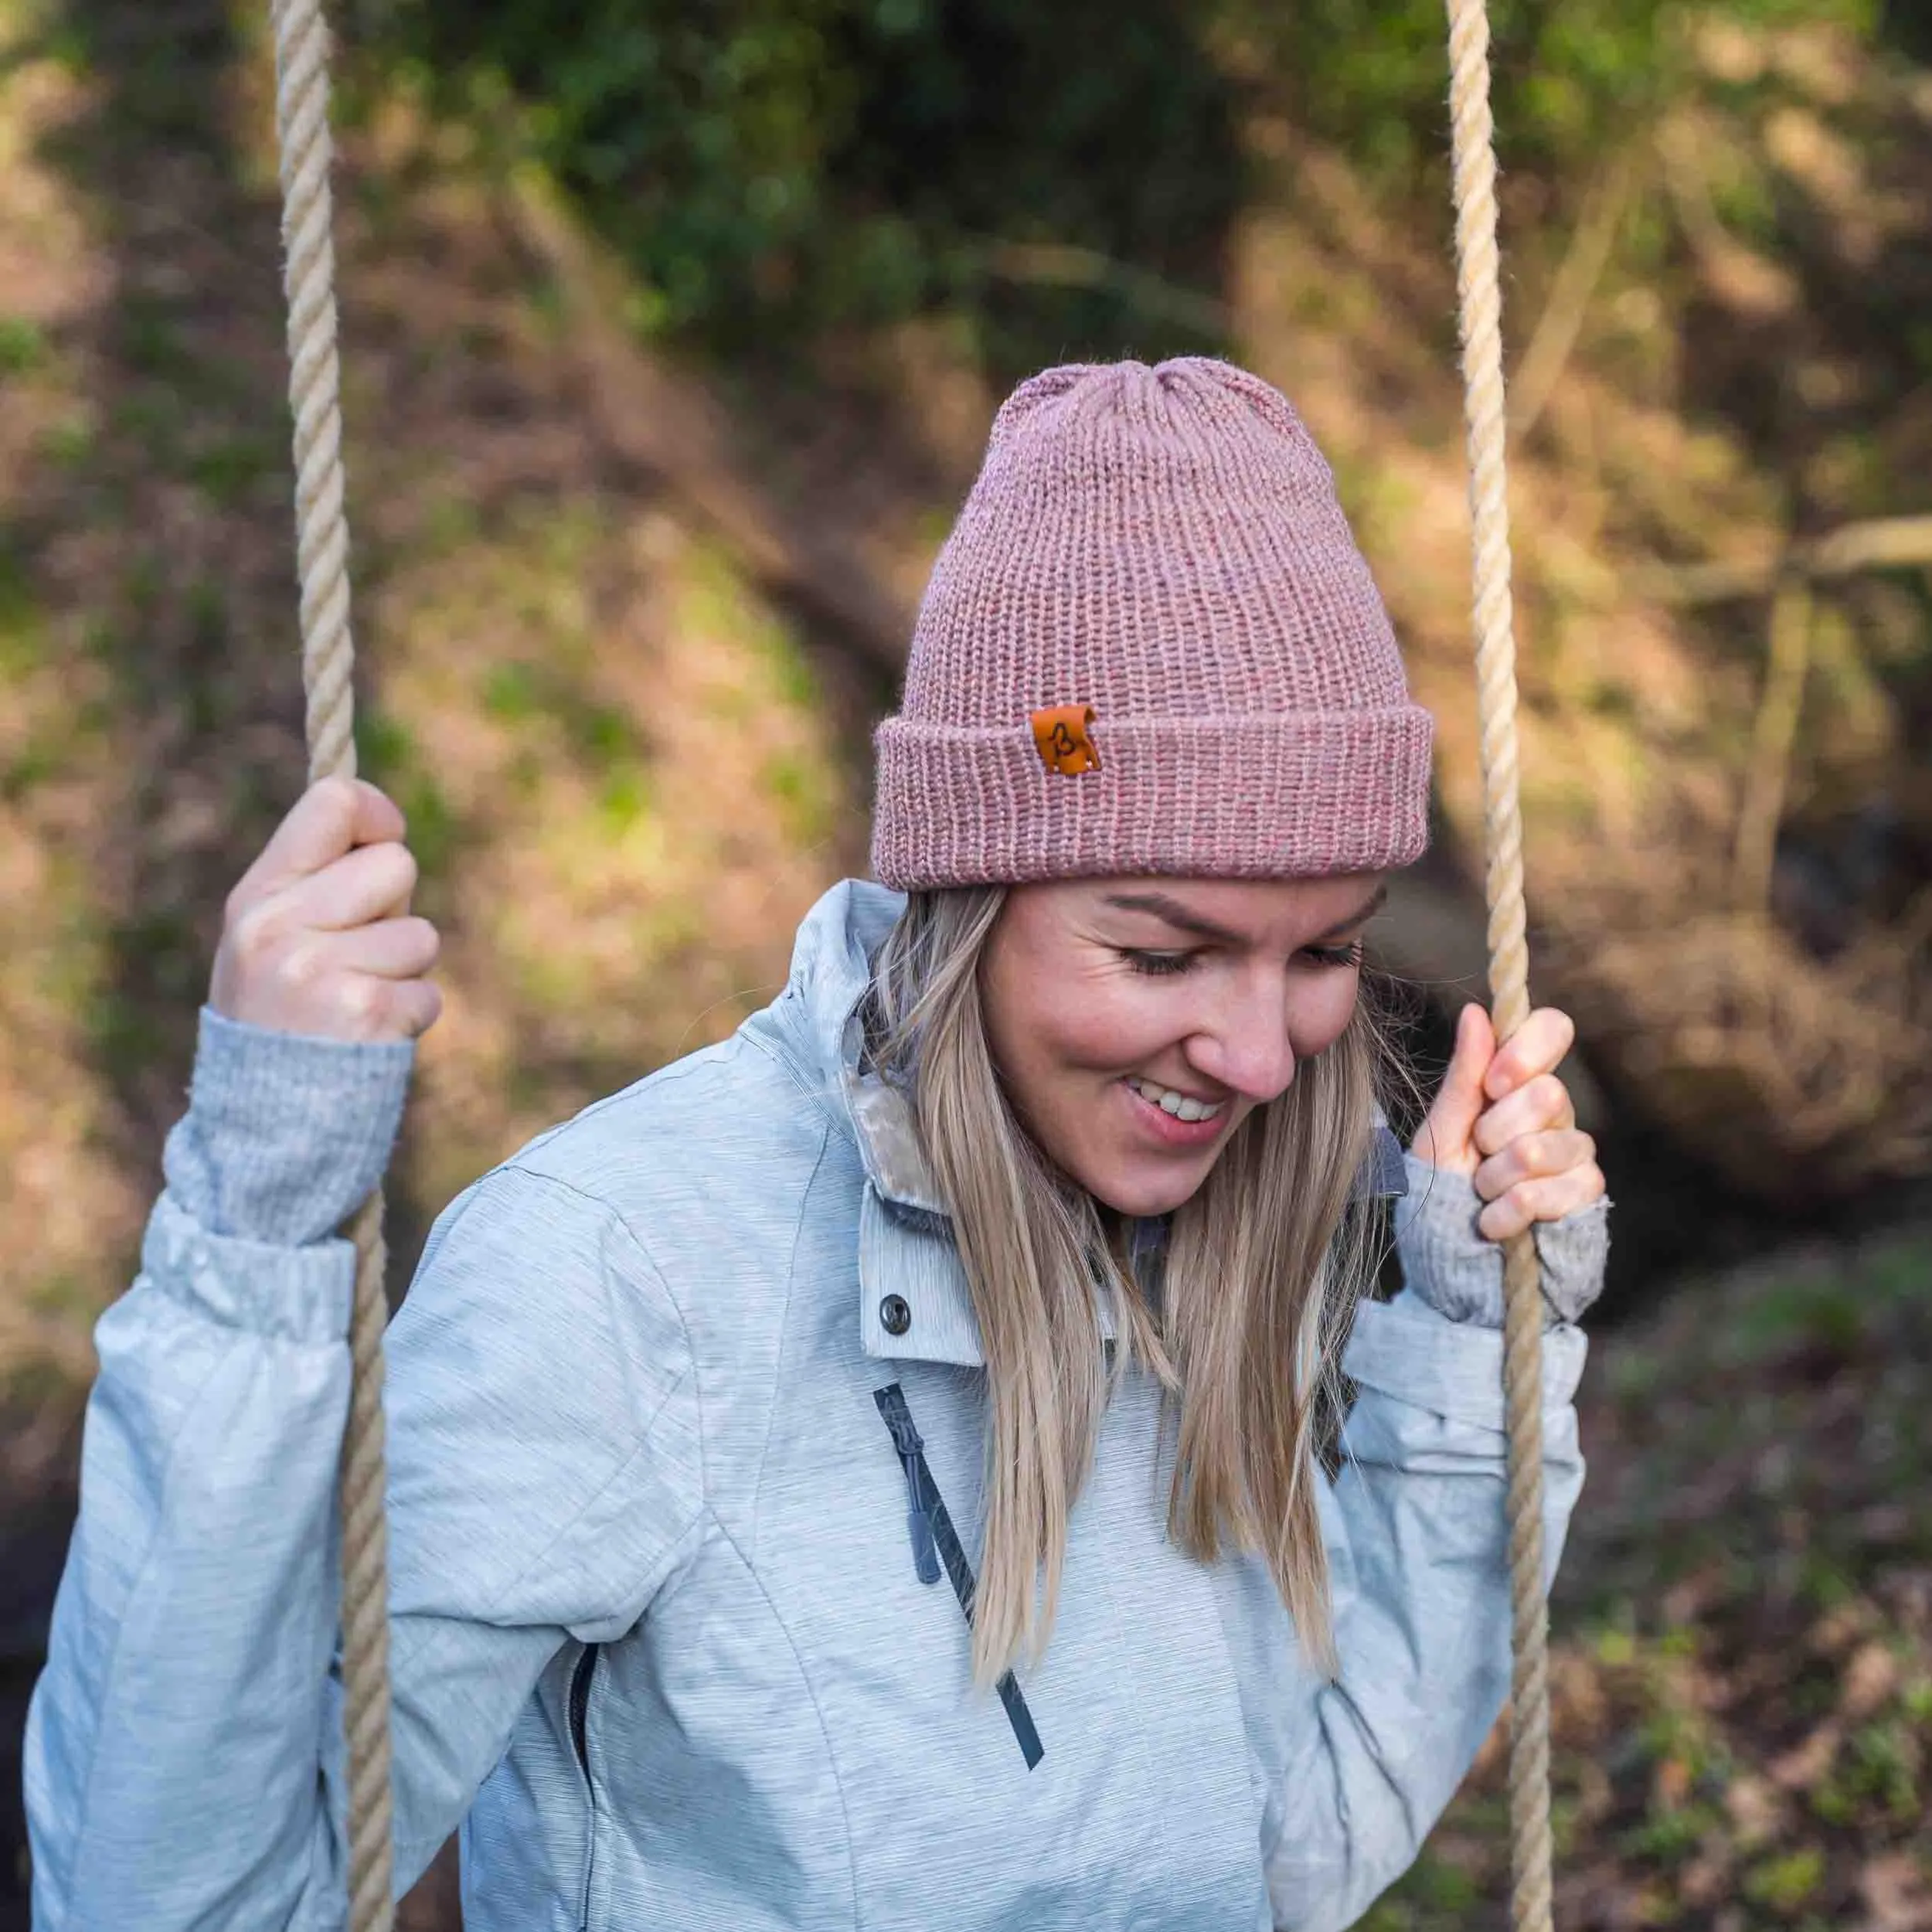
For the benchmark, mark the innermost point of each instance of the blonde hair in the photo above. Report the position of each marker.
(1264, 1266)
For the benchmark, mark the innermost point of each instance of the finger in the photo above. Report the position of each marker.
(1444, 1140)
(1549, 1199)
(314, 972)
(1543, 1105)
(333, 817)
(1530, 1156)
(390, 949)
(385, 1009)
(371, 882)
(1537, 1046)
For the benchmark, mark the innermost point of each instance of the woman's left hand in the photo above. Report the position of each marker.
(1503, 1118)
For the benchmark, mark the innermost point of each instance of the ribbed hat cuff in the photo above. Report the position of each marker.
(1285, 796)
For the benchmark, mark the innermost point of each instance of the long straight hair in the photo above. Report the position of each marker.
(1264, 1266)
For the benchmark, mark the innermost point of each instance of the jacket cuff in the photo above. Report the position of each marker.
(1405, 1349)
(298, 1295)
(1459, 1274)
(285, 1134)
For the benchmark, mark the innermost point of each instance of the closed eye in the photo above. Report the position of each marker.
(1347, 955)
(1158, 965)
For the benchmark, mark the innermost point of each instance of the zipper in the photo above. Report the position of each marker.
(935, 1541)
(912, 1456)
(577, 1712)
(579, 1706)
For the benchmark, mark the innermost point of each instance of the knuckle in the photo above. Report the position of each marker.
(361, 1000)
(302, 963)
(254, 931)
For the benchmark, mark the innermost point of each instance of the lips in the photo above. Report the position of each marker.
(1153, 1126)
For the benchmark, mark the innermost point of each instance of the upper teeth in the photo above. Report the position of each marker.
(1178, 1104)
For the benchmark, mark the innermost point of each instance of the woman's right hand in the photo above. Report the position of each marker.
(318, 938)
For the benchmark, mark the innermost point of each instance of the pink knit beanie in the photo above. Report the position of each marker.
(1150, 645)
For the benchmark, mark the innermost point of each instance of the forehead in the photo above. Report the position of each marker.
(1259, 910)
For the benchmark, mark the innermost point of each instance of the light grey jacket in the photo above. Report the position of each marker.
(663, 1636)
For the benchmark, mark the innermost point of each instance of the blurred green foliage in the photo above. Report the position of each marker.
(1371, 76)
(771, 166)
(826, 162)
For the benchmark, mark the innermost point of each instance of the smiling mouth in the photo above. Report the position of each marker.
(1181, 1106)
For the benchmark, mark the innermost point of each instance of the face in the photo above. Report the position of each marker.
(1137, 1022)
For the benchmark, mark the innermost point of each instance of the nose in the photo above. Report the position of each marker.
(1244, 1044)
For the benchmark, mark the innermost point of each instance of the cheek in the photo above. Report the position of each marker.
(1321, 1015)
(1110, 1026)
(1087, 1017)
(1089, 1029)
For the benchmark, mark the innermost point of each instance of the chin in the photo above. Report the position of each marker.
(1141, 1197)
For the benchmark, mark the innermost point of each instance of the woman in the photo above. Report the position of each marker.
(1018, 1233)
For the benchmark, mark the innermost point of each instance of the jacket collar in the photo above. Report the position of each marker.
(830, 972)
(905, 1247)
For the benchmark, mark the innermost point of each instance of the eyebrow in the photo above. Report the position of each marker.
(1177, 915)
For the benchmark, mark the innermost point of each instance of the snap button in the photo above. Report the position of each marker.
(897, 1314)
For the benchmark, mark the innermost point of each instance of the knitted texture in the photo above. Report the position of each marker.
(1166, 545)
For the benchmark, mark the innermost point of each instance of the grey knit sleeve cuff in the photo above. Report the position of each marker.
(284, 1134)
(1449, 1266)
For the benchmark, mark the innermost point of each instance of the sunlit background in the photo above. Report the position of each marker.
(671, 334)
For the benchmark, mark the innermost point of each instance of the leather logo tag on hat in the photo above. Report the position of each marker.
(1060, 733)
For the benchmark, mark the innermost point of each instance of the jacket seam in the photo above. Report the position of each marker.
(650, 1260)
(784, 1323)
(817, 1709)
(815, 1096)
(638, 1451)
(678, 1070)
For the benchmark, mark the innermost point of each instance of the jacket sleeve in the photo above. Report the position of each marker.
(183, 1755)
(1418, 1553)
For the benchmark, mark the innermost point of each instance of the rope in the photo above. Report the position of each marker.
(1479, 304)
(321, 548)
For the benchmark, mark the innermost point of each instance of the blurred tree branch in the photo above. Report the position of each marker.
(1591, 244)
(1766, 777)
(1878, 543)
(1063, 265)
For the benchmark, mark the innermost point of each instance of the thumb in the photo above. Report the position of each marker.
(1445, 1139)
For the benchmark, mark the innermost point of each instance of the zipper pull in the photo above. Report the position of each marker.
(919, 1525)
(911, 1448)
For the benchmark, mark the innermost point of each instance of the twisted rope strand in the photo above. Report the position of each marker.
(322, 552)
(1479, 303)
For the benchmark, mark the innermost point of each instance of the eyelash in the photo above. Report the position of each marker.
(1347, 955)
(1165, 965)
